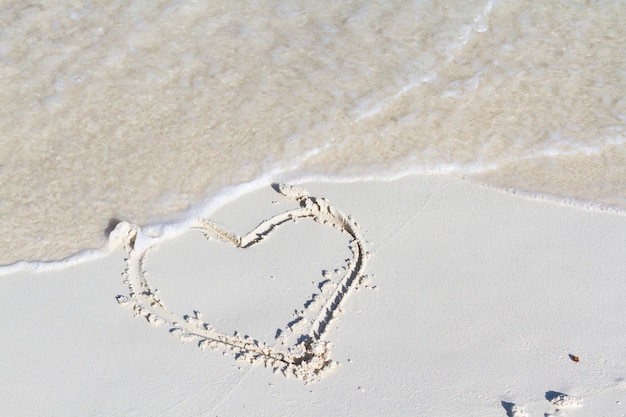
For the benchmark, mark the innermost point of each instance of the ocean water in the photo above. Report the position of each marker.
(155, 111)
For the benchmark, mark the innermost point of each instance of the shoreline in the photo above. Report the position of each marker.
(474, 301)
(168, 229)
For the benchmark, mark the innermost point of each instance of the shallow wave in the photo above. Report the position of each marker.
(156, 115)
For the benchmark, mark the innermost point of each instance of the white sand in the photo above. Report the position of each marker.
(480, 299)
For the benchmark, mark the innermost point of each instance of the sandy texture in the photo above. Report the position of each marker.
(299, 349)
(475, 304)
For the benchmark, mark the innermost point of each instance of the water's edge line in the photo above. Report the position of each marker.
(152, 233)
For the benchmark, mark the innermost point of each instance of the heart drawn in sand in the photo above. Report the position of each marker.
(300, 348)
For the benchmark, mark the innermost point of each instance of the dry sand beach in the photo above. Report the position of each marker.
(474, 301)
(317, 209)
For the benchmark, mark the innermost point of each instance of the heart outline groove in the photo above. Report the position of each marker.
(308, 357)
